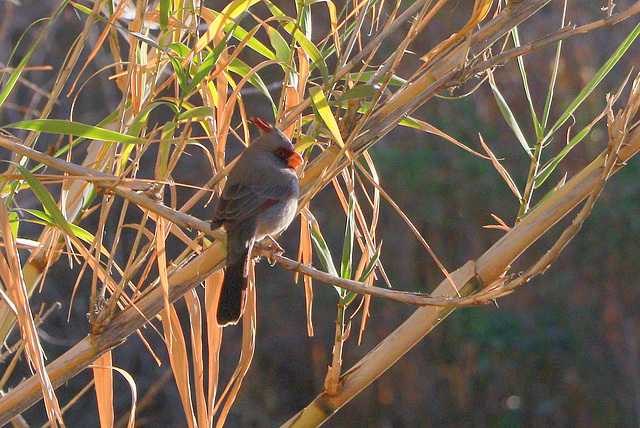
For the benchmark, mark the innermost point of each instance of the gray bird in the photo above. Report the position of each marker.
(259, 199)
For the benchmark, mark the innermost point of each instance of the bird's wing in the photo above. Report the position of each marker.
(242, 201)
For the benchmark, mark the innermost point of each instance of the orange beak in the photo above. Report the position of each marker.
(294, 160)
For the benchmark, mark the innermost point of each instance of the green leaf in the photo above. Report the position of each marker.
(357, 92)
(57, 126)
(324, 254)
(212, 59)
(239, 67)
(13, 78)
(510, 119)
(279, 44)
(347, 246)
(310, 50)
(165, 11)
(321, 105)
(302, 40)
(553, 163)
(368, 270)
(183, 76)
(14, 223)
(525, 82)
(241, 34)
(554, 74)
(367, 75)
(139, 122)
(47, 201)
(196, 112)
(47, 220)
(180, 48)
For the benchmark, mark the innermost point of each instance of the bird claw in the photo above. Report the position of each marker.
(272, 246)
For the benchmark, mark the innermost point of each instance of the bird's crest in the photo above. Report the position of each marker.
(262, 125)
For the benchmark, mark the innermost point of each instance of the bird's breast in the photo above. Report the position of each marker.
(277, 217)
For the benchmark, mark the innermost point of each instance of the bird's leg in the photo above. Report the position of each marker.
(273, 247)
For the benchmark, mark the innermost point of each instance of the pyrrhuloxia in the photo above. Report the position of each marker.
(259, 199)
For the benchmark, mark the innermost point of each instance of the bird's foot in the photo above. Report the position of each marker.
(273, 247)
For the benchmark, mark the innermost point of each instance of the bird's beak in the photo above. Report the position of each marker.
(294, 160)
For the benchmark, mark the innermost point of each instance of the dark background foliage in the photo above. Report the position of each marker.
(562, 350)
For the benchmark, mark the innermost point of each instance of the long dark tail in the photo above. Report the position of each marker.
(232, 296)
(234, 286)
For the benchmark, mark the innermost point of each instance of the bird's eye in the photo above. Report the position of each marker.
(280, 153)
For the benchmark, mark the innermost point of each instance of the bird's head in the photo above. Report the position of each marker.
(274, 141)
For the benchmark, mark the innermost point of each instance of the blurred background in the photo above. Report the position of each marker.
(563, 350)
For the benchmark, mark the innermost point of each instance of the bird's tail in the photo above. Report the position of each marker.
(233, 293)
(234, 286)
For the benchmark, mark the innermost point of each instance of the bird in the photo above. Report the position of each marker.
(260, 198)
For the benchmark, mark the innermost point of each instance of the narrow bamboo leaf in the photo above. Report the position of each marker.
(367, 75)
(81, 8)
(545, 197)
(553, 163)
(232, 11)
(57, 126)
(302, 40)
(180, 48)
(525, 82)
(135, 34)
(140, 121)
(64, 149)
(279, 44)
(311, 50)
(196, 112)
(357, 92)
(47, 201)
(304, 142)
(14, 222)
(306, 23)
(241, 34)
(13, 78)
(347, 246)
(238, 66)
(368, 270)
(77, 230)
(554, 73)
(212, 59)
(594, 82)
(145, 39)
(510, 119)
(181, 72)
(321, 105)
(164, 150)
(165, 11)
(324, 254)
